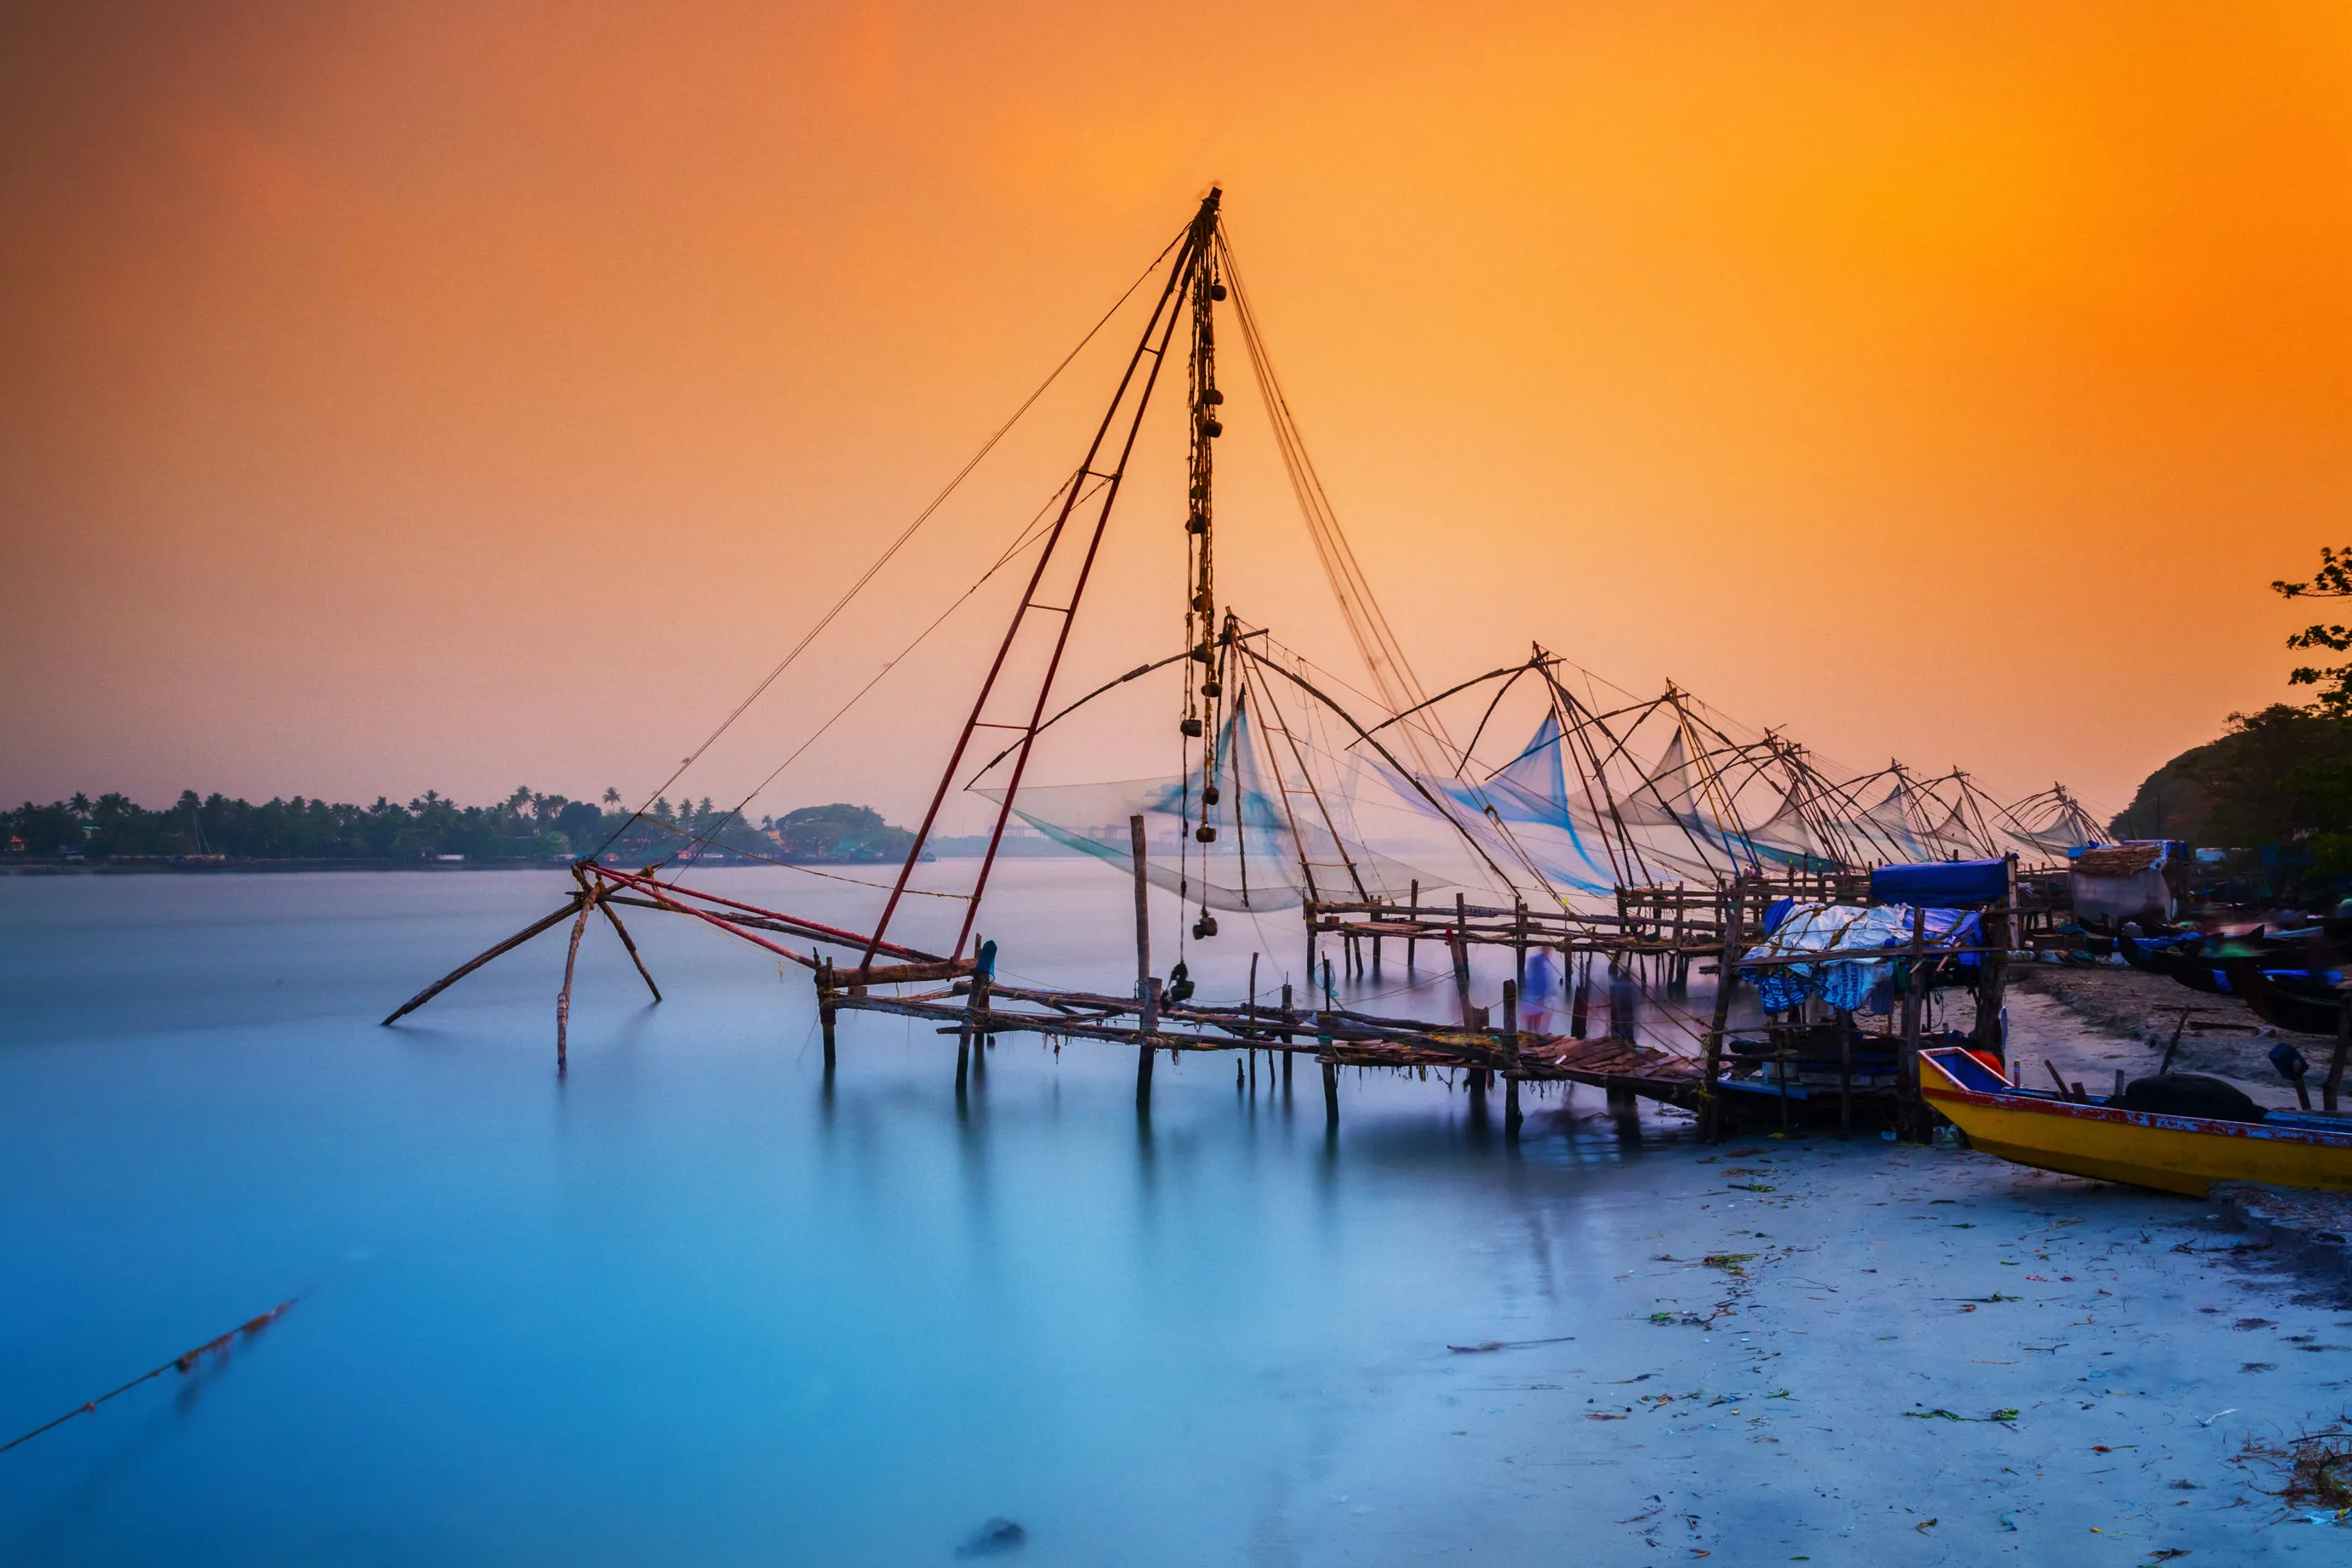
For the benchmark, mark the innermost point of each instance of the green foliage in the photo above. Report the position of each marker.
(525, 826)
(2332, 580)
(2275, 775)
(2331, 854)
(841, 831)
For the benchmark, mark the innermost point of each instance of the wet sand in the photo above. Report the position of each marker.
(1932, 1356)
(2092, 1023)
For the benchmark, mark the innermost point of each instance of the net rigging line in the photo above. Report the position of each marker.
(896, 545)
(1031, 532)
(1376, 642)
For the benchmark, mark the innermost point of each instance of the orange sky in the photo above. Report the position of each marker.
(463, 396)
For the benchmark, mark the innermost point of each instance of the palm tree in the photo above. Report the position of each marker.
(612, 797)
(80, 804)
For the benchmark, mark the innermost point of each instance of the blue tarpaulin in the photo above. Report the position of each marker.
(1858, 948)
(1941, 885)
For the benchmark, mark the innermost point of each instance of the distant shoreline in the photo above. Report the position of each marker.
(143, 865)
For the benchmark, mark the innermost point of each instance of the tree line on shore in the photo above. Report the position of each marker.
(525, 826)
(2280, 777)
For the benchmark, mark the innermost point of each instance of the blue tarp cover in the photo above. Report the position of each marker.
(1836, 930)
(1941, 885)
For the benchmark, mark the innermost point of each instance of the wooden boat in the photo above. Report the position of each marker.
(2303, 1008)
(2172, 1154)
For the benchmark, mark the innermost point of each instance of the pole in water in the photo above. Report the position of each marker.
(1330, 1071)
(824, 1009)
(1144, 1050)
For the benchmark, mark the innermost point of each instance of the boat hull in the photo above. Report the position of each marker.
(2171, 1154)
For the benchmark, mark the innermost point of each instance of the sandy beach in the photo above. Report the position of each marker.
(1842, 1351)
(2093, 1023)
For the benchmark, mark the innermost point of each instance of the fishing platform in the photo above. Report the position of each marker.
(1627, 844)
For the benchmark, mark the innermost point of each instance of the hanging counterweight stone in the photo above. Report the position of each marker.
(1205, 833)
(1212, 428)
(1212, 395)
(1212, 689)
(1196, 524)
(1216, 291)
(1190, 727)
(1209, 796)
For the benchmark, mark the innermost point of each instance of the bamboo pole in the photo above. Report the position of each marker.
(563, 998)
(1520, 942)
(1845, 1074)
(635, 956)
(467, 967)
(826, 1010)
(1289, 1023)
(2343, 1048)
(1510, 1054)
(1580, 1009)
(1461, 949)
(1726, 978)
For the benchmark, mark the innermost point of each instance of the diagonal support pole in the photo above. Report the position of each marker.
(462, 970)
(563, 998)
(622, 933)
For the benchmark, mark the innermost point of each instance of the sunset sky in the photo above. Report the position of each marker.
(462, 396)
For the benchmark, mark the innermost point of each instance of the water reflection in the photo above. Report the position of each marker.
(716, 1299)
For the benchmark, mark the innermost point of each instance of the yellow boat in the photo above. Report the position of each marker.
(2172, 1154)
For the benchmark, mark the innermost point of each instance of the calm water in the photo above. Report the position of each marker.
(684, 1306)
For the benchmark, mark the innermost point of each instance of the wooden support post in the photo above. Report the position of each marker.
(826, 1009)
(563, 998)
(1461, 946)
(1142, 906)
(2343, 1048)
(622, 933)
(1579, 1011)
(470, 965)
(1510, 1043)
(1412, 916)
(975, 1012)
(1511, 1059)
(1520, 942)
(1845, 1074)
(1914, 1008)
(1145, 1051)
(1331, 1096)
(1726, 978)
(1678, 973)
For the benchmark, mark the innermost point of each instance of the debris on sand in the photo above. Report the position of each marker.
(2314, 1470)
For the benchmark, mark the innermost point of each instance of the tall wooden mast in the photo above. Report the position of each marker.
(1091, 483)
